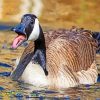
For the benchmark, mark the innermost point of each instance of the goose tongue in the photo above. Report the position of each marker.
(18, 41)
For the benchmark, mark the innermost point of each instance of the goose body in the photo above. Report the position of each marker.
(66, 60)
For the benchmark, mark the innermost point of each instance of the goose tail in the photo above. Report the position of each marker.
(96, 35)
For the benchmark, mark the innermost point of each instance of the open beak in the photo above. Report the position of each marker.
(20, 30)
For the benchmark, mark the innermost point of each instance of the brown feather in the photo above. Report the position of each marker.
(69, 53)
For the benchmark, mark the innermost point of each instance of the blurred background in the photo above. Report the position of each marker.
(54, 13)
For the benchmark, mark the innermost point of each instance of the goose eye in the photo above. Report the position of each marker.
(32, 21)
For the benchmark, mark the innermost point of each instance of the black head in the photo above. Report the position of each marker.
(27, 29)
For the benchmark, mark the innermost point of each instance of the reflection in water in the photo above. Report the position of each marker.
(56, 13)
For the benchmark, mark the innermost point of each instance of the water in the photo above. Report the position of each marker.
(56, 14)
(16, 90)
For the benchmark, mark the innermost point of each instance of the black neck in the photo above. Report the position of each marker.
(40, 42)
(40, 51)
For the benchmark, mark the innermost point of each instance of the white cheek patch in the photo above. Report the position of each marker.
(35, 32)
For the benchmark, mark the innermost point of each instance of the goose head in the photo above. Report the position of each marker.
(29, 29)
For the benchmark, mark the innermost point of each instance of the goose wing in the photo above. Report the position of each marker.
(74, 48)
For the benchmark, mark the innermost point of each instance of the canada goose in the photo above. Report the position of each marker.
(56, 59)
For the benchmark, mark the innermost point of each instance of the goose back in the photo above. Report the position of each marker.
(76, 45)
